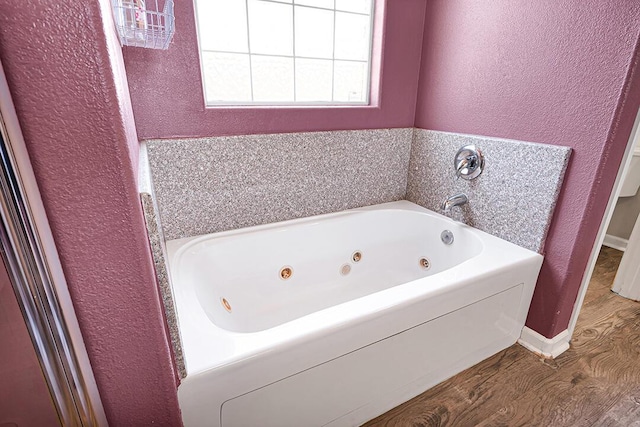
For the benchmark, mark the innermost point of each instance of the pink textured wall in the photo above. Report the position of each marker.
(167, 98)
(65, 72)
(545, 71)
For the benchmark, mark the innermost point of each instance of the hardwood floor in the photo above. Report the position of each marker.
(594, 383)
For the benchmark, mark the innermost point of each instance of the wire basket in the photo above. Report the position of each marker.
(140, 24)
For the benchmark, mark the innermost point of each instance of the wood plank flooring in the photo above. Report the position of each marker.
(594, 383)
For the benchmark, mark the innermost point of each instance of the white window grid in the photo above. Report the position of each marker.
(333, 59)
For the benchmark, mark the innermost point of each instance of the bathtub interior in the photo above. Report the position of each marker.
(253, 279)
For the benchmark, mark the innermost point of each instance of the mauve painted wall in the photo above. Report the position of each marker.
(545, 71)
(167, 98)
(66, 76)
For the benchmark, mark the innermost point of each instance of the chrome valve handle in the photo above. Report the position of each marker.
(469, 162)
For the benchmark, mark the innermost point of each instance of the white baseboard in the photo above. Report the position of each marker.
(543, 346)
(615, 242)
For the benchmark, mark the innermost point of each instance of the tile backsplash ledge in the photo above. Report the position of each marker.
(159, 252)
(513, 198)
(207, 185)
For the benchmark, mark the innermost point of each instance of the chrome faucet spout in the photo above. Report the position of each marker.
(457, 200)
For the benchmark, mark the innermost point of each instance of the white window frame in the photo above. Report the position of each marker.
(293, 104)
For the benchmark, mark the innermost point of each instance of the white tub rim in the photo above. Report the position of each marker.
(207, 347)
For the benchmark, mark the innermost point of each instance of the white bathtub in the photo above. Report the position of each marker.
(339, 342)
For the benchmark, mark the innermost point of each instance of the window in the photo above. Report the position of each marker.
(284, 52)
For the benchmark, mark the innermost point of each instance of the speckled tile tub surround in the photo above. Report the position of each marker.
(514, 197)
(207, 185)
(158, 250)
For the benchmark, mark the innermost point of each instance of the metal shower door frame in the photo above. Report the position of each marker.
(31, 258)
